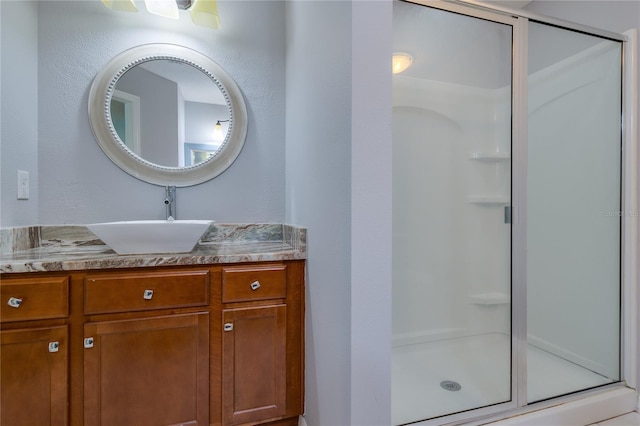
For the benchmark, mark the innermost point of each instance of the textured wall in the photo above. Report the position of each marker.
(79, 184)
(18, 110)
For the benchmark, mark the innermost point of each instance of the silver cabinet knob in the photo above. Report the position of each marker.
(88, 342)
(14, 302)
(148, 294)
(255, 285)
(228, 326)
(54, 346)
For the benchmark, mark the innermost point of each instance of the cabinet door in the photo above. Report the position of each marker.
(254, 364)
(150, 371)
(34, 381)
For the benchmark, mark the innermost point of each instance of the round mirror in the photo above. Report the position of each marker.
(167, 115)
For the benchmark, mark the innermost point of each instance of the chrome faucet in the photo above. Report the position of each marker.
(170, 202)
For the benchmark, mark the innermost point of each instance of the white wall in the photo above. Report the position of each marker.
(318, 193)
(77, 182)
(339, 187)
(371, 210)
(18, 110)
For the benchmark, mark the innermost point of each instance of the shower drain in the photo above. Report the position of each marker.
(450, 385)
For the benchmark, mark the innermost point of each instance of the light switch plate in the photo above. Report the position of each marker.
(23, 185)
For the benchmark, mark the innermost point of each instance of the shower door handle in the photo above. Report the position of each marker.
(507, 214)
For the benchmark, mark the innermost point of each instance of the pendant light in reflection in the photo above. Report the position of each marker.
(217, 130)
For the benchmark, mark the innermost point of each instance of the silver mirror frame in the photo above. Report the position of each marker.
(100, 117)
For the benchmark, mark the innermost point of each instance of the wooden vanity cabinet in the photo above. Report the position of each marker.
(185, 345)
(254, 341)
(34, 351)
(254, 364)
(148, 371)
(147, 361)
(262, 343)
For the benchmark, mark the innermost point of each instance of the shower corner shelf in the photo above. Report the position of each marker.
(495, 298)
(489, 200)
(489, 156)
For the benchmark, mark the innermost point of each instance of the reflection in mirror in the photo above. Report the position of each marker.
(125, 116)
(176, 106)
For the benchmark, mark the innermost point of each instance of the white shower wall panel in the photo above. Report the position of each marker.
(450, 244)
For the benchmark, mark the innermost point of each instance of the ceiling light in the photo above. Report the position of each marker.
(122, 5)
(401, 61)
(166, 8)
(205, 13)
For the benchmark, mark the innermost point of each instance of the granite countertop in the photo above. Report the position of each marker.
(74, 248)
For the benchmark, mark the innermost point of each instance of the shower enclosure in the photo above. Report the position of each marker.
(507, 212)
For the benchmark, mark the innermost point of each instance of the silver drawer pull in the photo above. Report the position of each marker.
(14, 302)
(88, 342)
(148, 294)
(255, 285)
(54, 346)
(228, 326)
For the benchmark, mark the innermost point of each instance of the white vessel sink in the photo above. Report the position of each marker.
(151, 236)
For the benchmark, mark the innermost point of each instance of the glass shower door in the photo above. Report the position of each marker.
(451, 219)
(573, 211)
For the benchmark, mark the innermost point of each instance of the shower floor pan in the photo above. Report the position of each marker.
(422, 375)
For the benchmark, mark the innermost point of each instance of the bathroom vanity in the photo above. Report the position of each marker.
(211, 337)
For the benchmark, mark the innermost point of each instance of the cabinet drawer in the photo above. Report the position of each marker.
(253, 283)
(141, 291)
(32, 299)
